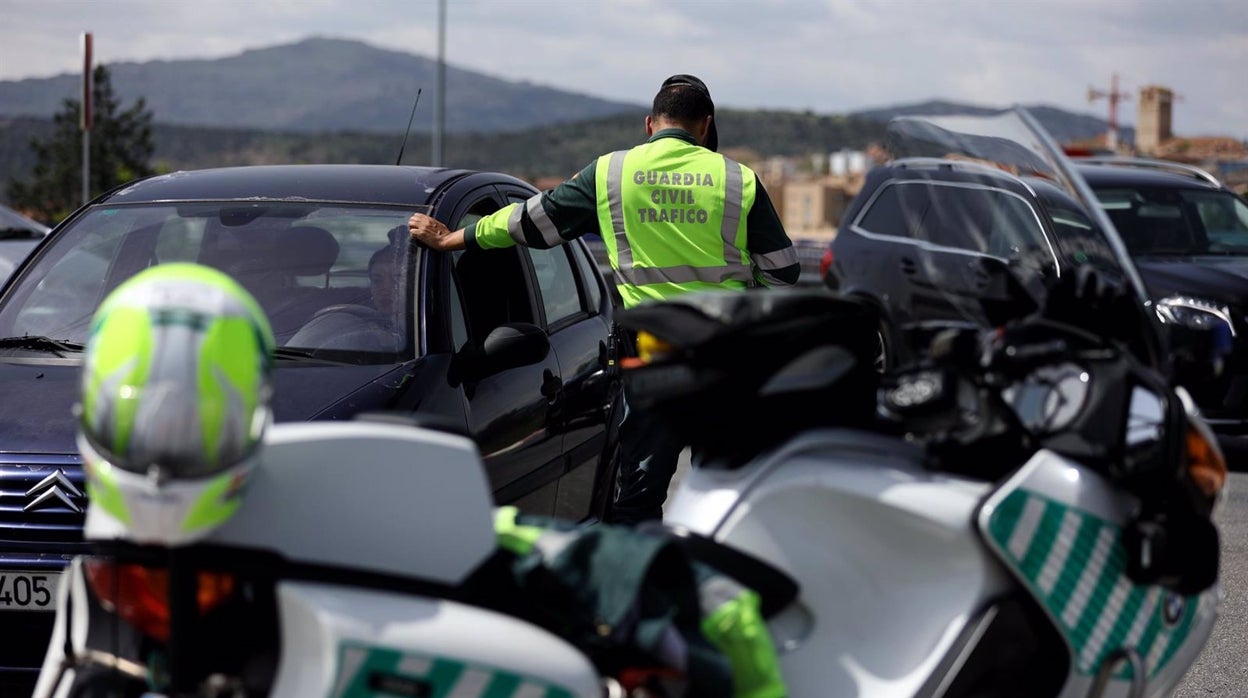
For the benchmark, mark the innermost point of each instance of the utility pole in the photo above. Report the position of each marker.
(84, 121)
(1113, 96)
(439, 104)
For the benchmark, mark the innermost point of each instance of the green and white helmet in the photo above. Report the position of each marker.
(175, 402)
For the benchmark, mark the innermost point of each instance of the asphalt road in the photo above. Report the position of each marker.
(1222, 669)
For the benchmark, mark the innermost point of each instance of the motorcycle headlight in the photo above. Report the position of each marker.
(1194, 313)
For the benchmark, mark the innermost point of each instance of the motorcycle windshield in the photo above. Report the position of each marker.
(986, 214)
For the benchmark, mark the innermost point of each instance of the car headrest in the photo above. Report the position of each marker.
(308, 250)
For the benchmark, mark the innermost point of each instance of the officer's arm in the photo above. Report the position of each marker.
(545, 220)
(771, 251)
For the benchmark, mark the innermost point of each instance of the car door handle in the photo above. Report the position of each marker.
(551, 385)
(908, 267)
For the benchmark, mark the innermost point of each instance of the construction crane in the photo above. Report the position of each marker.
(1114, 95)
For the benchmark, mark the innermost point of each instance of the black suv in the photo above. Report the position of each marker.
(920, 239)
(1188, 236)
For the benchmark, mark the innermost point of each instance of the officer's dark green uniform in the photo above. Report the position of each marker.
(675, 217)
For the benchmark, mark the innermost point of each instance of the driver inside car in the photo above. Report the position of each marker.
(379, 325)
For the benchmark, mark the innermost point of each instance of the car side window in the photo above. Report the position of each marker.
(884, 216)
(557, 284)
(455, 309)
(589, 278)
(492, 286)
(975, 218)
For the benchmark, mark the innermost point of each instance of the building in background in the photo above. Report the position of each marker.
(1225, 157)
(1154, 123)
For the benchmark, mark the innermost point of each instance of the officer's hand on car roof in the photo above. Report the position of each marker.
(432, 233)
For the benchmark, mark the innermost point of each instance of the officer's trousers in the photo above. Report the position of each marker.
(649, 453)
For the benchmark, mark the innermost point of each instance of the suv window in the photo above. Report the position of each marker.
(966, 216)
(1225, 217)
(1079, 239)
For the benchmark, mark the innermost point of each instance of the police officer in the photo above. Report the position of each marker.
(676, 217)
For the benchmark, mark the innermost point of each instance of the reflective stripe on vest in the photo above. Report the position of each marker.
(537, 214)
(733, 271)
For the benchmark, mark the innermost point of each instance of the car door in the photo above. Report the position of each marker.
(572, 298)
(509, 410)
(576, 312)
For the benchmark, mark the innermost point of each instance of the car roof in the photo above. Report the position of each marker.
(1108, 175)
(374, 184)
(12, 219)
(946, 170)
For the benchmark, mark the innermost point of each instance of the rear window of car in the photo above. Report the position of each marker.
(965, 216)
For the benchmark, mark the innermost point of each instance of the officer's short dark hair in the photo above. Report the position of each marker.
(686, 100)
(682, 103)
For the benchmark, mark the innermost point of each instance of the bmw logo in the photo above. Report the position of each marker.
(1172, 608)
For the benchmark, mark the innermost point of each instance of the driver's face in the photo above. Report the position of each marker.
(385, 284)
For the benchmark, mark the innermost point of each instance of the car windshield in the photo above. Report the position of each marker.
(1011, 145)
(334, 279)
(1165, 221)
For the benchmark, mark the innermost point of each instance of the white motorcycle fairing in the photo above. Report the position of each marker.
(373, 498)
(898, 584)
(892, 572)
(1058, 528)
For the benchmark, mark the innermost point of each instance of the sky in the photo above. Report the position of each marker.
(825, 56)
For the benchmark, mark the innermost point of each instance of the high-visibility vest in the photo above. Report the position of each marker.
(673, 219)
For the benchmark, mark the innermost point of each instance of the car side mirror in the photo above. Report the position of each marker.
(515, 344)
(510, 345)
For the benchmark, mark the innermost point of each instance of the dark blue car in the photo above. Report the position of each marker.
(509, 346)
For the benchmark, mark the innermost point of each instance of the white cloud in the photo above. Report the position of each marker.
(829, 56)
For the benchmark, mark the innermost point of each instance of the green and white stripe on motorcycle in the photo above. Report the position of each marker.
(1074, 563)
(366, 671)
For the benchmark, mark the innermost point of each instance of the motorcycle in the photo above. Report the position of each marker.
(1025, 510)
(1036, 523)
(340, 575)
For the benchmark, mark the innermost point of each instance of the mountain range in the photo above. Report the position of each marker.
(335, 100)
(329, 85)
(317, 84)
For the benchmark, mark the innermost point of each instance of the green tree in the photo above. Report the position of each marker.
(121, 148)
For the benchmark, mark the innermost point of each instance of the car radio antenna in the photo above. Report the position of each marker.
(409, 126)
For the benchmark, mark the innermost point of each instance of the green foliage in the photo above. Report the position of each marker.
(557, 150)
(121, 150)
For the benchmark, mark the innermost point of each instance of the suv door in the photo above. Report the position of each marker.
(939, 234)
(509, 410)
